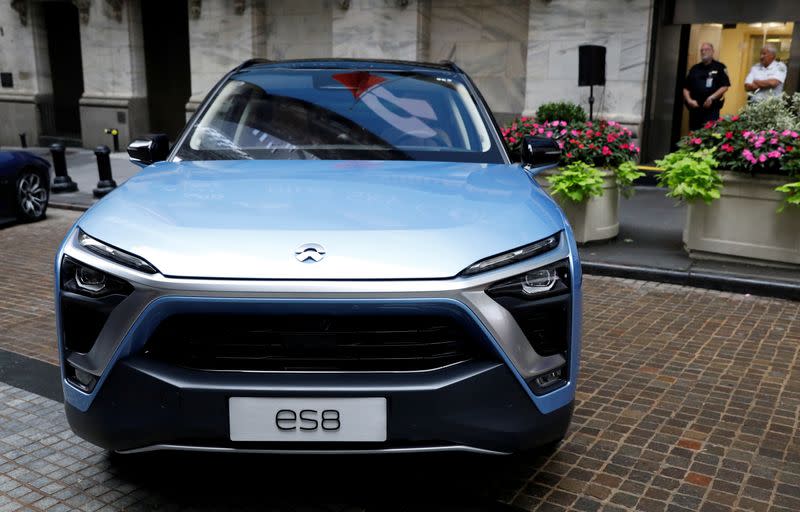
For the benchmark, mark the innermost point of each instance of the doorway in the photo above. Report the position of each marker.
(737, 45)
(66, 68)
(737, 29)
(166, 48)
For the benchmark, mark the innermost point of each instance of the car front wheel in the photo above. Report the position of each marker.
(32, 196)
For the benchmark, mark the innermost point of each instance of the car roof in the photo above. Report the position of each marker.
(356, 64)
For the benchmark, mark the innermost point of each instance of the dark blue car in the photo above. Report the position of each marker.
(24, 185)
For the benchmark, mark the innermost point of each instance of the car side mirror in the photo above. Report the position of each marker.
(539, 153)
(149, 149)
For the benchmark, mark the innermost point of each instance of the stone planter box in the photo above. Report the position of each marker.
(595, 219)
(744, 224)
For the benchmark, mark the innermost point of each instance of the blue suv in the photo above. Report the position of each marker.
(335, 256)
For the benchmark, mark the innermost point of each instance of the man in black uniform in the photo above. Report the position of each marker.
(705, 84)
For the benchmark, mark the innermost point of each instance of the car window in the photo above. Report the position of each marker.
(341, 114)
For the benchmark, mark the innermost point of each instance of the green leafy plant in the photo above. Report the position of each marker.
(577, 182)
(775, 113)
(792, 191)
(691, 175)
(626, 173)
(561, 111)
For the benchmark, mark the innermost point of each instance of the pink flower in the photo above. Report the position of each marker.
(541, 130)
(569, 155)
(575, 132)
(612, 123)
(589, 123)
(697, 140)
(773, 141)
(625, 146)
(548, 134)
(727, 148)
(729, 135)
(746, 133)
(786, 133)
(748, 156)
(762, 158)
(606, 151)
(735, 118)
(514, 126)
(794, 135)
(774, 154)
(563, 131)
(563, 123)
(589, 133)
(512, 140)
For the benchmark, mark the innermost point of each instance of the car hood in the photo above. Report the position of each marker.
(374, 219)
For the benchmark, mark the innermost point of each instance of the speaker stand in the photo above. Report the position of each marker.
(591, 103)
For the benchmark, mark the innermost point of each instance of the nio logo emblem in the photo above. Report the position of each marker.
(309, 252)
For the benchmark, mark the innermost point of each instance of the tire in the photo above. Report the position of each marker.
(31, 194)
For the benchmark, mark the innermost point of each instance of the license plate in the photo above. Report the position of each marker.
(307, 419)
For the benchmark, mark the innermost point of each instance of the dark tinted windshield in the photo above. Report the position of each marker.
(341, 115)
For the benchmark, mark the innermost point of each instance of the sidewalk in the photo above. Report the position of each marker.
(649, 245)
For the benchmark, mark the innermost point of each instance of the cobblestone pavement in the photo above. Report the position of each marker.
(688, 400)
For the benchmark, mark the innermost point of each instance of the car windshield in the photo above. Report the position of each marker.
(341, 115)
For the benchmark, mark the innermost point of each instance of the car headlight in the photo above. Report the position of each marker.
(513, 256)
(540, 302)
(88, 297)
(112, 253)
(535, 284)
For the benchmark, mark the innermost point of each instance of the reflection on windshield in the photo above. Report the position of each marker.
(321, 114)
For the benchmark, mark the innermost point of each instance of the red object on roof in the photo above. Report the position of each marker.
(358, 82)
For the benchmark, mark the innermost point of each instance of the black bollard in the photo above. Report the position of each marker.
(115, 134)
(106, 184)
(62, 182)
(23, 140)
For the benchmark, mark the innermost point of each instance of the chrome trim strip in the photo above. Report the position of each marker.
(372, 451)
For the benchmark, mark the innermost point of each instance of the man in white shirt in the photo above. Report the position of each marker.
(766, 78)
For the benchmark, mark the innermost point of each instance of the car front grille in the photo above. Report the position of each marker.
(313, 342)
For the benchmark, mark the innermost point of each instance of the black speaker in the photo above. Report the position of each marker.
(591, 65)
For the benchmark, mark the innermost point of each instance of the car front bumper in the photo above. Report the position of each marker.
(477, 407)
(485, 405)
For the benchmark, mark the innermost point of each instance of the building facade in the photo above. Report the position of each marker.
(72, 69)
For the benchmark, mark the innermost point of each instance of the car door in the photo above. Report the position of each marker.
(7, 174)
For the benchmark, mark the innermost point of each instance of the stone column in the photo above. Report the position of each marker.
(380, 29)
(114, 80)
(222, 35)
(299, 29)
(555, 31)
(26, 104)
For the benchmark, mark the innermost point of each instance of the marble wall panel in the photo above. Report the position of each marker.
(482, 58)
(488, 39)
(558, 28)
(376, 29)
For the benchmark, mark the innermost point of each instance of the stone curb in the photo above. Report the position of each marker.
(709, 280)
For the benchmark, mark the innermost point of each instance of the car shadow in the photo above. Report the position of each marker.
(393, 483)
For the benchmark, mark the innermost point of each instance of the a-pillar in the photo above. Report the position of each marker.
(222, 35)
(381, 29)
(26, 92)
(114, 80)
